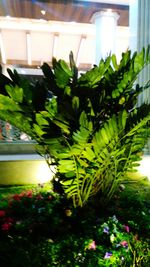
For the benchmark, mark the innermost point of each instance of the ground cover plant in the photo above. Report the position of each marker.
(40, 228)
(92, 130)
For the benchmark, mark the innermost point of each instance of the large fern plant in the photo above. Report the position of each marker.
(88, 126)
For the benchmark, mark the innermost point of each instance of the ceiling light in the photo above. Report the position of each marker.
(109, 11)
(43, 12)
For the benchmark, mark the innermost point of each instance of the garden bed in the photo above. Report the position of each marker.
(41, 228)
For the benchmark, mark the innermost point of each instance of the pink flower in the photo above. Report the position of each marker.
(6, 226)
(2, 213)
(124, 244)
(92, 245)
(127, 229)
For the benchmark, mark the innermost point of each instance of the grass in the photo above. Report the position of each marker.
(136, 190)
(8, 191)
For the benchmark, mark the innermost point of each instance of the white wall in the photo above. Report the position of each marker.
(42, 41)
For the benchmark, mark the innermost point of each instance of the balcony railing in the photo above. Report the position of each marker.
(13, 142)
(9, 133)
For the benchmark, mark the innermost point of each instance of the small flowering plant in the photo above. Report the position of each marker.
(111, 243)
(116, 238)
(115, 232)
(32, 212)
(48, 218)
(115, 245)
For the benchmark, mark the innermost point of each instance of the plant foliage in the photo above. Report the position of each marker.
(89, 126)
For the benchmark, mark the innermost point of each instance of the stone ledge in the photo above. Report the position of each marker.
(20, 157)
(17, 147)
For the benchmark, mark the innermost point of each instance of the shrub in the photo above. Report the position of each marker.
(89, 127)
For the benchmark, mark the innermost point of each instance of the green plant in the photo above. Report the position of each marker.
(89, 126)
(133, 204)
(40, 229)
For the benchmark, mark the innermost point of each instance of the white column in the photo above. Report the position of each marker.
(106, 23)
(139, 23)
(133, 24)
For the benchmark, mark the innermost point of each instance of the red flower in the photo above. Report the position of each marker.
(22, 194)
(16, 197)
(2, 213)
(29, 194)
(6, 226)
